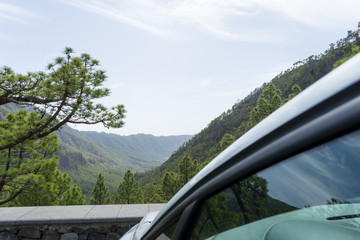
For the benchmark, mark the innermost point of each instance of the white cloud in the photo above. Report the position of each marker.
(14, 13)
(319, 13)
(170, 18)
(119, 11)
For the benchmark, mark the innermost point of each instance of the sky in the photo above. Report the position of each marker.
(175, 64)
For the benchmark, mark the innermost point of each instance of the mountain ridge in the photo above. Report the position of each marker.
(85, 154)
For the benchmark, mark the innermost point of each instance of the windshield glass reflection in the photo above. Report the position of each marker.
(326, 173)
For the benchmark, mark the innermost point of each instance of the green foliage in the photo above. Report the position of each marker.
(170, 185)
(355, 50)
(172, 182)
(100, 193)
(226, 141)
(268, 102)
(137, 152)
(129, 190)
(214, 218)
(84, 154)
(73, 196)
(66, 93)
(295, 91)
(53, 190)
(251, 195)
(188, 169)
(153, 193)
(26, 168)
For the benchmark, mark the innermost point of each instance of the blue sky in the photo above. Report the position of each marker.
(175, 65)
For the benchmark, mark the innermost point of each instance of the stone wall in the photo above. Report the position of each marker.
(65, 232)
(92, 222)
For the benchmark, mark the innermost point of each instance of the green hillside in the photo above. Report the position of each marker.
(204, 146)
(83, 155)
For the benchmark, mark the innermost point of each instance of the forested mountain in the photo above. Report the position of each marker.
(207, 144)
(83, 155)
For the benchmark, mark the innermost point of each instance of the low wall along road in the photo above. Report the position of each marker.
(93, 222)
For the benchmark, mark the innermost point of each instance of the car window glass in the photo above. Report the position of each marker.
(166, 235)
(314, 193)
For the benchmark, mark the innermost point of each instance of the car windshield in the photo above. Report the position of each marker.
(308, 196)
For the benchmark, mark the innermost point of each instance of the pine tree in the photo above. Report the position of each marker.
(27, 168)
(268, 102)
(100, 194)
(172, 182)
(129, 190)
(170, 185)
(226, 141)
(153, 193)
(66, 93)
(63, 94)
(188, 169)
(295, 91)
(73, 196)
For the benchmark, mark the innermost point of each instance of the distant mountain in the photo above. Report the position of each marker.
(144, 151)
(83, 155)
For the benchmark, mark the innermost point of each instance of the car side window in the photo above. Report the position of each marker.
(311, 193)
(168, 233)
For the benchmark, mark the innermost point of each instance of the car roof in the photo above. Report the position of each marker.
(325, 88)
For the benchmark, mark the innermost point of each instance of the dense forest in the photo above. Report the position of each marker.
(29, 147)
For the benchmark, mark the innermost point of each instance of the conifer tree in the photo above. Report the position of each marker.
(226, 141)
(295, 91)
(129, 190)
(66, 93)
(27, 168)
(172, 182)
(73, 196)
(170, 185)
(153, 193)
(100, 194)
(268, 102)
(188, 169)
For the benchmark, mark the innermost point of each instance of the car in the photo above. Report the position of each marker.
(295, 175)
